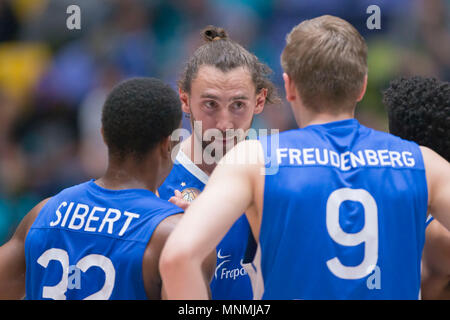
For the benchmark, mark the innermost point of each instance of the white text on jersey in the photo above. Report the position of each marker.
(84, 218)
(344, 161)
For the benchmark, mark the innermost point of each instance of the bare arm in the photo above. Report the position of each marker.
(228, 193)
(151, 274)
(436, 256)
(436, 263)
(437, 171)
(12, 258)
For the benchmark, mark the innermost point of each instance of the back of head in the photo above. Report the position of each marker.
(225, 54)
(138, 114)
(326, 57)
(419, 110)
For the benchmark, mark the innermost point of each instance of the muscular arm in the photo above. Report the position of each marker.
(437, 171)
(229, 192)
(436, 256)
(152, 278)
(12, 258)
(436, 263)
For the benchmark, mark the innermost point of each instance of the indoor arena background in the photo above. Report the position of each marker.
(53, 80)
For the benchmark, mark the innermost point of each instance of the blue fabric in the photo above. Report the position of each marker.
(230, 281)
(107, 231)
(344, 214)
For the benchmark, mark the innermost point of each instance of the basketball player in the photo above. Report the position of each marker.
(102, 239)
(419, 110)
(222, 87)
(343, 217)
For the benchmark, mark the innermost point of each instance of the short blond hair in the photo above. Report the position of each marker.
(326, 57)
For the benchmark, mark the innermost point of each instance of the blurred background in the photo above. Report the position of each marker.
(53, 81)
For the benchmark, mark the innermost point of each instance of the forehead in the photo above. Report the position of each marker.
(214, 79)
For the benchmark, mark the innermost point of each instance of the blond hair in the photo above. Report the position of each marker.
(326, 57)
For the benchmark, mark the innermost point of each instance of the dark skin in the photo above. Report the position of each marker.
(436, 263)
(147, 172)
(12, 258)
(152, 277)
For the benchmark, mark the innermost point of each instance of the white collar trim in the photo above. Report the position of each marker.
(187, 163)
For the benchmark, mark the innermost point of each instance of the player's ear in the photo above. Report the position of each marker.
(184, 98)
(166, 147)
(289, 87)
(260, 101)
(363, 90)
(103, 134)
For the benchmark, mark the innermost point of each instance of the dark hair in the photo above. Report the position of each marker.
(419, 110)
(137, 114)
(221, 52)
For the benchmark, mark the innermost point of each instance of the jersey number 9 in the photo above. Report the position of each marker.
(368, 234)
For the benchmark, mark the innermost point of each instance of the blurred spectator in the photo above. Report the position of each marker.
(53, 81)
(9, 26)
(70, 76)
(15, 200)
(434, 26)
(21, 66)
(93, 151)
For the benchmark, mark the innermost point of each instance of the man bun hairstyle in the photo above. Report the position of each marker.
(225, 54)
(139, 113)
(419, 110)
(212, 33)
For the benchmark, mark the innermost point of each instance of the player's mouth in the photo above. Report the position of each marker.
(226, 139)
(232, 139)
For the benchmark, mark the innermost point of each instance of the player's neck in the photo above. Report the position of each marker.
(128, 175)
(307, 118)
(194, 152)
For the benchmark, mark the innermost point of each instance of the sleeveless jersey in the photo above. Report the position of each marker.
(429, 220)
(88, 242)
(344, 214)
(230, 281)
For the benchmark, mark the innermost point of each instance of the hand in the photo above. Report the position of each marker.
(178, 200)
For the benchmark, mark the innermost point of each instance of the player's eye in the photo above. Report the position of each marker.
(210, 104)
(238, 105)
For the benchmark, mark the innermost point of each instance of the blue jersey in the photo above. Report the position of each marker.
(88, 243)
(230, 281)
(344, 214)
(429, 220)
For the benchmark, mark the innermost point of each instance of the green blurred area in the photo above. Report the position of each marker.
(53, 81)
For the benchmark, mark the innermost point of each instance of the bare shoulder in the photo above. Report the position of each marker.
(252, 144)
(160, 235)
(150, 263)
(437, 171)
(433, 161)
(28, 220)
(246, 156)
(428, 154)
(165, 227)
(245, 150)
(437, 168)
(12, 258)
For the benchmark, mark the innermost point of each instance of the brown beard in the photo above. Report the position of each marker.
(204, 143)
(207, 143)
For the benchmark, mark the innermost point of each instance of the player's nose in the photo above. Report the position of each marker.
(224, 122)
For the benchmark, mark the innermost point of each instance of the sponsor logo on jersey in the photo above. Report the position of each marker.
(189, 194)
(222, 272)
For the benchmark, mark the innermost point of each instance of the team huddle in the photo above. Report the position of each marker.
(331, 210)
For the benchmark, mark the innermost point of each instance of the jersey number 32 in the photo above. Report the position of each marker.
(58, 292)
